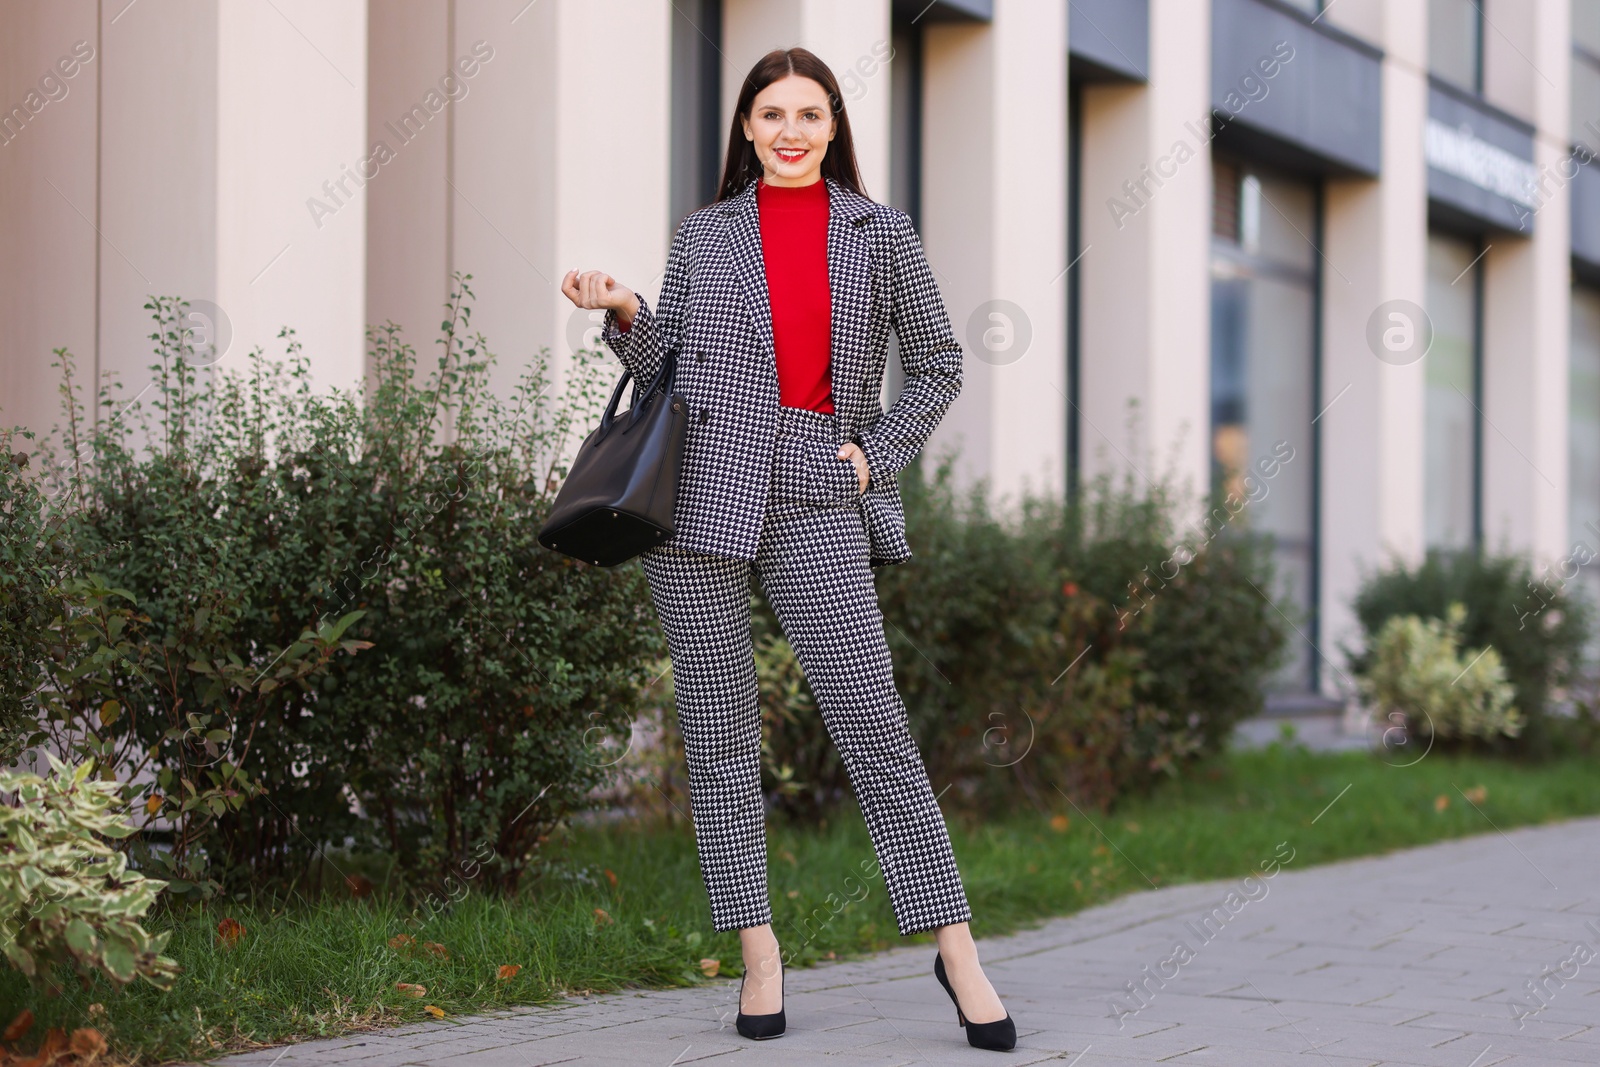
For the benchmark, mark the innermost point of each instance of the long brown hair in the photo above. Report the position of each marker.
(744, 166)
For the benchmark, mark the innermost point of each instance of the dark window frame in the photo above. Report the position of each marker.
(1314, 279)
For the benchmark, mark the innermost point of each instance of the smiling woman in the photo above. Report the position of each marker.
(779, 299)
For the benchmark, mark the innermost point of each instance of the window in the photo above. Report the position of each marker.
(697, 128)
(1264, 308)
(1455, 42)
(1451, 426)
(1310, 7)
(905, 151)
(1586, 25)
(1583, 466)
(1586, 73)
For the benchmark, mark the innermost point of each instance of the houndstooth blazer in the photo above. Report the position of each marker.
(714, 309)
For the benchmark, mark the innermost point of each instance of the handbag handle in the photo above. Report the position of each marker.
(664, 377)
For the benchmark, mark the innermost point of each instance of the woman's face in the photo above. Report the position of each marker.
(790, 125)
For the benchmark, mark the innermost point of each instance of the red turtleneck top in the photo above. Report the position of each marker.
(794, 249)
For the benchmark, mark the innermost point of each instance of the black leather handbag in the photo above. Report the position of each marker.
(617, 499)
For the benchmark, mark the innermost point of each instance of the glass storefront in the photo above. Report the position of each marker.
(1583, 441)
(1264, 284)
(1451, 403)
(1455, 42)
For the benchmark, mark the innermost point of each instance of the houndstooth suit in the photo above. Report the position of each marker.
(714, 305)
(765, 495)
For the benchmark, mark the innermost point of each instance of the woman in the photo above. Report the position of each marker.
(778, 299)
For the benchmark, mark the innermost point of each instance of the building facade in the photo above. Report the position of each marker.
(1341, 259)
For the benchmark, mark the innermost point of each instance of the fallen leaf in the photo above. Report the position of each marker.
(787, 855)
(87, 1044)
(709, 967)
(437, 1013)
(360, 886)
(1441, 802)
(411, 990)
(509, 970)
(602, 916)
(793, 893)
(611, 876)
(1059, 823)
(229, 931)
(53, 1048)
(1478, 794)
(400, 941)
(20, 1025)
(1131, 827)
(153, 804)
(436, 949)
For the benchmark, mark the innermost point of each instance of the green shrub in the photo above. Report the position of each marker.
(1538, 630)
(245, 529)
(1039, 653)
(1417, 679)
(29, 599)
(67, 899)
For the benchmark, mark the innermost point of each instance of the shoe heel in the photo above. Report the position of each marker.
(998, 1036)
(762, 1027)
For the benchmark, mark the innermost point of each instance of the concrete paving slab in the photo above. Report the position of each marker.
(1412, 959)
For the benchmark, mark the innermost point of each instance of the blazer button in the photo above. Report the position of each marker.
(705, 415)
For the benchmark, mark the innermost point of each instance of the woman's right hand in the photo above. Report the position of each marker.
(597, 289)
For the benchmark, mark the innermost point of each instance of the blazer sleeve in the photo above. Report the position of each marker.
(652, 334)
(929, 354)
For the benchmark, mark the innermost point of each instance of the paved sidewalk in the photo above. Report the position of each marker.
(1404, 959)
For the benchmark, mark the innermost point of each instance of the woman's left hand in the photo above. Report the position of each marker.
(852, 451)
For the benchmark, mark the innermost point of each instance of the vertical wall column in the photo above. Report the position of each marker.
(408, 197)
(50, 70)
(1375, 234)
(994, 161)
(193, 178)
(156, 181)
(211, 202)
(559, 162)
(291, 119)
(1145, 321)
(1527, 297)
(520, 152)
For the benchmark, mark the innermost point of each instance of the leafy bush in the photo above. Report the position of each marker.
(1033, 653)
(1417, 680)
(29, 600)
(245, 531)
(67, 899)
(1538, 630)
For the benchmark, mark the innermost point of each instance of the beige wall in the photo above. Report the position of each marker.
(48, 245)
(1372, 423)
(183, 178)
(291, 115)
(994, 225)
(1145, 318)
(1527, 299)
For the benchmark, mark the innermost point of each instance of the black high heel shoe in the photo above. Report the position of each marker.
(999, 1036)
(761, 1027)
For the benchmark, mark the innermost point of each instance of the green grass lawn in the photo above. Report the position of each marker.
(321, 969)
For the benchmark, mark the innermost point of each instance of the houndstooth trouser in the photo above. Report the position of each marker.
(813, 567)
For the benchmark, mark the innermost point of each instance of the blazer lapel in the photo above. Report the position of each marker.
(742, 223)
(849, 285)
(850, 294)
